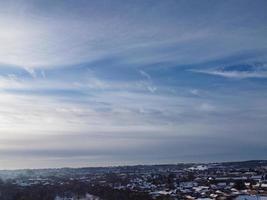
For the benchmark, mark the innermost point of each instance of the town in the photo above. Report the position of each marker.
(230, 180)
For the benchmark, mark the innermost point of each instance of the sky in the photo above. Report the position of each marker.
(104, 83)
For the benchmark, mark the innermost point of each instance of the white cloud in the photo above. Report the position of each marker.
(234, 74)
(146, 75)
(194, 92)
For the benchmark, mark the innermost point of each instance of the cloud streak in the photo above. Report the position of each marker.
(237, 71)
(233, 74)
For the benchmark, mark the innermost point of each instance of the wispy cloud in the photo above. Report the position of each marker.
(233, 74)
(238, 72)
(148, 83)
(146, 75)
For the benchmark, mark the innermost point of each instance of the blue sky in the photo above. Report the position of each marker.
(97, 83)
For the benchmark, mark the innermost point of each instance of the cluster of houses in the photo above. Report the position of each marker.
(202, 182)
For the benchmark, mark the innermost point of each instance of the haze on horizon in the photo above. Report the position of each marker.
(99, 83)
